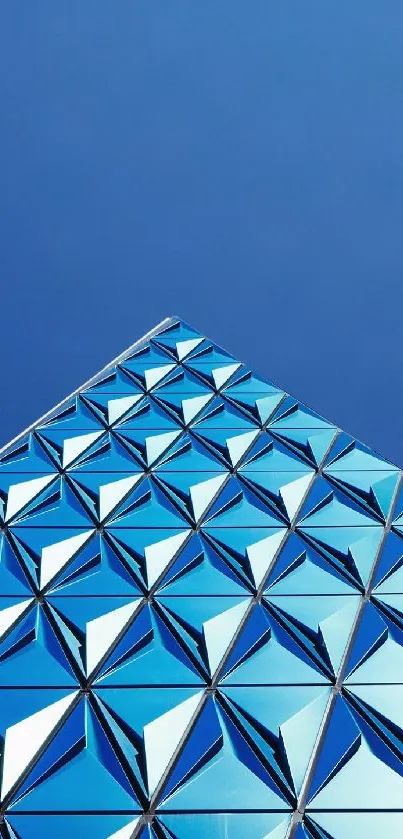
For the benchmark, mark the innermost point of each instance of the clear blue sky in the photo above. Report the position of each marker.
(236, 162)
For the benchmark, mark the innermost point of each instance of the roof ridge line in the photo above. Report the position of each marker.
(92, 380)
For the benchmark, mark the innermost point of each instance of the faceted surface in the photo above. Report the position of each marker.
(201, 612)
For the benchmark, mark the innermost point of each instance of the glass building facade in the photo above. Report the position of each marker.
(201, 616)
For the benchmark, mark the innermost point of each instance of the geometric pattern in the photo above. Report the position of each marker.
(201, 612)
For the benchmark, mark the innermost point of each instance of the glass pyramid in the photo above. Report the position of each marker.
(201, 626)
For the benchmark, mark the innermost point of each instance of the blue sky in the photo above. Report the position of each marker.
(237, 163)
